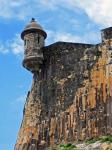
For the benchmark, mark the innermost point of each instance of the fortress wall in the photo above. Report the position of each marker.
(70, 98)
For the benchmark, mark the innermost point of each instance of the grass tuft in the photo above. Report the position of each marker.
(68, 146)
(107, 138)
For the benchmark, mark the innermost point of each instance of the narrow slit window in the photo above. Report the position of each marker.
(38, 39)
(25, 42)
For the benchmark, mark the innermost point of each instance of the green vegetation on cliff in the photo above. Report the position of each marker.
(68, 146)
(103, 139)
(88, 144)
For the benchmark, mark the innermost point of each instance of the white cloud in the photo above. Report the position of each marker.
(58, 36)
(8, 8)
(67, 37)
(90, 37)
(52, 4)
(99, 11)
(15, 46)
(22, 9)
(3, 49)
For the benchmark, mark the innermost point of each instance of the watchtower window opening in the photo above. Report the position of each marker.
(38, 39)
(25, 42)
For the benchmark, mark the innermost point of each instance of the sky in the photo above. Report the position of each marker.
(63, 20)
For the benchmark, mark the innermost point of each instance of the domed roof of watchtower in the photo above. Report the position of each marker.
(33, 26)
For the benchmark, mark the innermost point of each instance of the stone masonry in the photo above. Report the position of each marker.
(71, 94)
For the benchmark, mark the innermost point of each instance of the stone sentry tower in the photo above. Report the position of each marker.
(33, 36)
(71, 94)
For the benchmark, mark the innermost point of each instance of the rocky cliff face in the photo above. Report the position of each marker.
(70, 98)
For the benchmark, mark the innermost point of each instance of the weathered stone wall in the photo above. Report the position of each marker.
(70, 98)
